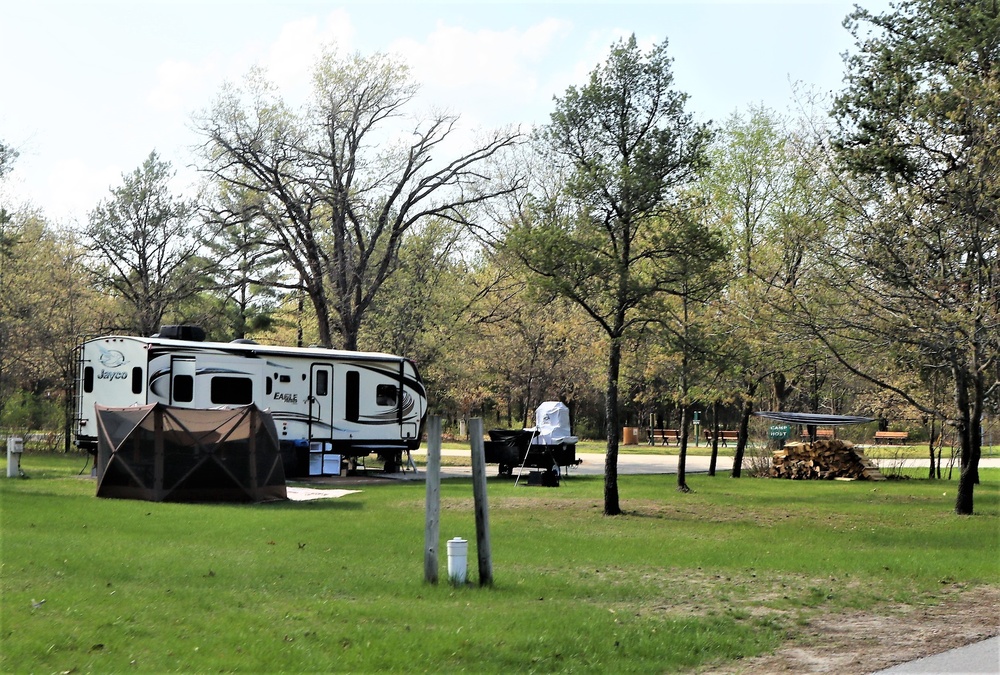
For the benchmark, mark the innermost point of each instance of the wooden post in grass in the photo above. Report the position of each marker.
(432, 528)
(482, 508)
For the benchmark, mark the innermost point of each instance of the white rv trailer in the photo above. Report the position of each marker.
(325, 403)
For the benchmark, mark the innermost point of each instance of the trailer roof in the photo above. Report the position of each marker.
(252, 348)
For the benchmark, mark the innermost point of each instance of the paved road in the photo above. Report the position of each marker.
(593, 463)
(980, 657)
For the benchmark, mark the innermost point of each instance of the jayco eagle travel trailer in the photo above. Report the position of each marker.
(326, 404)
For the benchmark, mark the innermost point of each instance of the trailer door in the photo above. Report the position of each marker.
(321, 401)
(182, 371)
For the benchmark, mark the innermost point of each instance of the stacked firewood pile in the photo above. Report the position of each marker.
(826, 459)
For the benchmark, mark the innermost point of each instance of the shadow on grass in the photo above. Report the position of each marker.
(314, 505)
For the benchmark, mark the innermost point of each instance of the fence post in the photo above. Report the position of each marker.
(433, 522)
(482, 507)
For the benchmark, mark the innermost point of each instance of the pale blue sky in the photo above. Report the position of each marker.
(90, 87)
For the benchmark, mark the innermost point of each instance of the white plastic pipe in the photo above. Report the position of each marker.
(458, 560)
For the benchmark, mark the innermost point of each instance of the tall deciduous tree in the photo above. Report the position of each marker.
(765, 195)
(142, 240)
(921, 259)
(341, 184)
(629, 148)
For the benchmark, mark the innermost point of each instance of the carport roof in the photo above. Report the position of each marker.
(815, 419)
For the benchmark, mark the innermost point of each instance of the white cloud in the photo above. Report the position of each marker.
(180, 83)
(456, 57)
(73, 188)
(182, 86)
(290, 59)
(475, 70)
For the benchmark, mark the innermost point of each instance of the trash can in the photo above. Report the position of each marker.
(630, 435)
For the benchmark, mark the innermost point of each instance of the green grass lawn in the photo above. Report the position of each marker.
(679, 582)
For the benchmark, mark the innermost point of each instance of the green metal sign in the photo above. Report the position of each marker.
(779, 431)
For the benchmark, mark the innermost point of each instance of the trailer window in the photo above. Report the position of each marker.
(232, 390)
(88, 379)
(322, 383)
(137, 380)
(269, 386)
(385, 394)
(352, 395)
(183, 390)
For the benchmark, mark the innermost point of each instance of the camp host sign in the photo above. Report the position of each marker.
(779, 431)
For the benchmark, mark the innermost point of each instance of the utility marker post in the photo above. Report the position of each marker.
(432, 530)
(482, 508)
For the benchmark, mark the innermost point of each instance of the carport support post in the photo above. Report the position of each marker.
(433, 525)
(482, 508)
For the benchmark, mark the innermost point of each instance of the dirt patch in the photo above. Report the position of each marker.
(864, 642)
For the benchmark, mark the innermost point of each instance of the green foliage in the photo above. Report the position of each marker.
(619, 238)
(143, 243)
(920, 255)
(7, 157)
(247, 276)
(922, 75)
(680, 582)
(25, 411)
(45, 305)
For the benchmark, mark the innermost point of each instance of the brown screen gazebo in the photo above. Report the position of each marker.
(164, 453)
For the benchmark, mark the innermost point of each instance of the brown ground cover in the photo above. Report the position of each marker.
(855, 643)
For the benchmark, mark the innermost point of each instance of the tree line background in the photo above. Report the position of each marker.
(624, 258)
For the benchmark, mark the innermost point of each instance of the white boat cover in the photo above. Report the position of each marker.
(552, 424)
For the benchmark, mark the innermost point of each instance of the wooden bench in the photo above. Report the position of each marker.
(724, 436)
(891, 437)
(665, 436)
(821, 435)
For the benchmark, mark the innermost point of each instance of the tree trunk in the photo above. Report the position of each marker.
(317, 296)
(780, 390)
(682, 485)
(741, 442)
(611, 505)
(939, 437)
(715, 438)
(969, 401)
